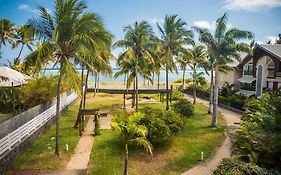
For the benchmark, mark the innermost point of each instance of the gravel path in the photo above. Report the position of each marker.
(208, 167)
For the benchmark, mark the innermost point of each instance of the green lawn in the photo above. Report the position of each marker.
(4, 116)
(37, 156)
(179, 154)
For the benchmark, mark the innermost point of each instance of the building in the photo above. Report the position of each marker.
(260, 71)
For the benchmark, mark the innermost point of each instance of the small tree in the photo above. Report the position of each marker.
(132, 132)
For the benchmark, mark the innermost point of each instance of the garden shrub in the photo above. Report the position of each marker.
(6, 99)
(161, 124)
(235, 167)
(177, 95)
(184, 108)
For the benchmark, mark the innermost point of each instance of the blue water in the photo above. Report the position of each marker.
(172, 76)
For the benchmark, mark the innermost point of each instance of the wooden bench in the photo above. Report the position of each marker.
(104, 114)
(146, 97)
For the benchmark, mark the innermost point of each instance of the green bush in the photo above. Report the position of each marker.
(161, 124)
(184, 108)
(177, 95)
(8, 96)
(235, 167)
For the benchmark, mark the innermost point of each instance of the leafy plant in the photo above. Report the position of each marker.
(184, 108)
(177, 95)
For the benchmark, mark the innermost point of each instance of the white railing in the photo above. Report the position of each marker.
(8, 142)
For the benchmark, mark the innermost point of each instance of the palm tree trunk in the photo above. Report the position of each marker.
(183, 79)
(86, 88)
(194, 93)
(158, 83)
(57, 149)
(126, 159)
(95, 91)
(133, 95)
(137, 92)
(20, 50)
(216, 93)
(98, 82)
(81, 100)
(210, 110)
(167, 81)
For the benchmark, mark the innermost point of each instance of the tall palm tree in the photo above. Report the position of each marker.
(196, 57)
(23, 38)
(7, 32)
(132, 132)
(62, 34)
(136, 42)
(173, 36)
(224, 46)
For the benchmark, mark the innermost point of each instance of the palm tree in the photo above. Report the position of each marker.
(136, 42)
(62, 35)
(132, 132)
(173, 36)
(7, 32)
(196, 57)
(224, 46)
(227, 91)
(23, 37)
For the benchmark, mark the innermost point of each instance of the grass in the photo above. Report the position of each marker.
(179, 154)
(5, 115)
(38, 156)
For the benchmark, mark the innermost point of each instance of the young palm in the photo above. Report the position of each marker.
(136, 42)
(132, 132)
(224, 46)
(173, 36)
(23, 38)
(196, 57)
(7, 32)
(62, 34)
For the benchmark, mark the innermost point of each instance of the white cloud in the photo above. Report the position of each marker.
(205, 24)
(251, 5)
(271, 38)
(26, 7)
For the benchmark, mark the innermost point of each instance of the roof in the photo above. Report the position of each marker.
(245, 93)
(235, 62)
(272, 49)
(12, 76)
(247, 79)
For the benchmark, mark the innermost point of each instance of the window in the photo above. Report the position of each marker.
(249, 69)
(270, 65)
(270, 85)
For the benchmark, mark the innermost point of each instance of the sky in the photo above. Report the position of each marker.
(262, 17)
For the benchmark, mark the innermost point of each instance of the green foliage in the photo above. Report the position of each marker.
(161, 124)
(234, 167)
(7, 94)
(177, 95)
(97, 129)
(184, 108)
(180, 80)
(258, 139)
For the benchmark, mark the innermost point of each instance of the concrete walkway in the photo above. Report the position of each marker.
(208, 167)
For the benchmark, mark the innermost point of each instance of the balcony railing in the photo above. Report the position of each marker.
(247, 72)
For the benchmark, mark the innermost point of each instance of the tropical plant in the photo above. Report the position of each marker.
(184, 108)
(134, 60)
(56, 43)
(177, 95)
(7, 32)
(23, 38)
(132, 132)
(227, 91)
(174, 36)
(224, 46)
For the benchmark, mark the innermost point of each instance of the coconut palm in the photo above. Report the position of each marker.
(195, 57)
(62, 34)
(224, 46)
(173, 36)
(23, 38)
(7, 32)
(136, 42)
(132, 132)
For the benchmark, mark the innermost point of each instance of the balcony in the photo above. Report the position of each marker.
(247, 72)
(278, 74)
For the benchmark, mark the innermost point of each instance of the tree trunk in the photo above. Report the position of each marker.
(81, 100)
(98, 82)
(194, 92)
(216, 93)
(126, 159)
(20, 50)
(95, 91)
(86, 88)
(210, 110)
(158, 83)
(137, 93)
(183, 79)
(167, 83)
(57, 149)
(153, 74)
(133, 95)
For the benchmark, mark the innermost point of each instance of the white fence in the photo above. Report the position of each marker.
(8, 142)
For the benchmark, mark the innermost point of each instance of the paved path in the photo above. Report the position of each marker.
(208, 167)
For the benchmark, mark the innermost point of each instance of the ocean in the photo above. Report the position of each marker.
(172, 76)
